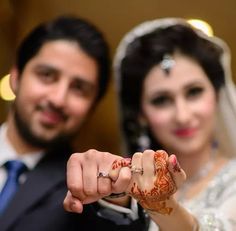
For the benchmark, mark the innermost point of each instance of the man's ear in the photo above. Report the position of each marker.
(14, 79)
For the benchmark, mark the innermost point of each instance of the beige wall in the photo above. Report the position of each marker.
(17, 17)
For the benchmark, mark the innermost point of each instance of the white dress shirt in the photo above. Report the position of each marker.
(7, 152)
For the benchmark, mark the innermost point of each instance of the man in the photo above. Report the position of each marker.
(60, 73)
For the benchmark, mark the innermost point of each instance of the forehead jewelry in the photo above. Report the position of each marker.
(167, 63)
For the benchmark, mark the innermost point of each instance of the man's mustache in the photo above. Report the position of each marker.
(52, 108)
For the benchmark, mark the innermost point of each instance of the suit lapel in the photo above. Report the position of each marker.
(48, 173)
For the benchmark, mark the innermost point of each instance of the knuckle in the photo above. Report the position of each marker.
(73, 158)
(74, 189)
(90, 192)
(90, 154)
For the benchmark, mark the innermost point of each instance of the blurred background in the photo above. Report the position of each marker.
(114, 18)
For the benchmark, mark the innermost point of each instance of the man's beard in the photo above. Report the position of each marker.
(28, 135)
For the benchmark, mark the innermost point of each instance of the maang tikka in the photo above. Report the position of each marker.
(167, 63)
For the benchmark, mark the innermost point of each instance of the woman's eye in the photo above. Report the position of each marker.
(195, 92)
(161, 101)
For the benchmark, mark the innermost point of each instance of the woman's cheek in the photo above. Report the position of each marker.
(159, 122)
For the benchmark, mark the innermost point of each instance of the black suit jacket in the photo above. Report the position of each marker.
(38, 204)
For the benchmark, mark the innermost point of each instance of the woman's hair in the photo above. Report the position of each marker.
(149, 50)
(69, 28)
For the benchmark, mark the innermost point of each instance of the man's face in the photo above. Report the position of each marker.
(54, 93)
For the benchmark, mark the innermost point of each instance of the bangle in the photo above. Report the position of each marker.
(115, 195)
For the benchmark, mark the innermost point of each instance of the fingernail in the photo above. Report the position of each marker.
(176, 166)
(174, 160)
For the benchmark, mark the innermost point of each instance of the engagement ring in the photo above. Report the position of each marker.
(135, 169)
(103, 175)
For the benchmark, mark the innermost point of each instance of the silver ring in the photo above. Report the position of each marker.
(135, 169)
(103, 175)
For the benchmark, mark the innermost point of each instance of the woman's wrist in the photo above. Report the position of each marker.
(178, 219)
(160, 213)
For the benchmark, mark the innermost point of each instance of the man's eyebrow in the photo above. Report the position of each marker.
(45, 66)
(79, 79)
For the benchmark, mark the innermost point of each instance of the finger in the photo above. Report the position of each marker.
(176, 171)
(161, 159)
(72, 204)
(90, 166)
(161, 162)
(164, 182)
(123, 180)
(74, 176)
(107, 167)
(104, 184)
(148, 165)
(136, 171)
(136, 165)
(117, 165)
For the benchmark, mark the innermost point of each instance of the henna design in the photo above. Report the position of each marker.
(164, 187)
(126, 162)
(164, 180)
(149, 201)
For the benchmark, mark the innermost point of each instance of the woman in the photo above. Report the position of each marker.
(176, 94)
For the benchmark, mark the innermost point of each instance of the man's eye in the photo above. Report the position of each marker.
(161, 101)
(78, 87)
(46, 75)
(195, 92)
(81, 88)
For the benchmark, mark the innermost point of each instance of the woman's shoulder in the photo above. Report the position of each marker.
(224, 183)
(220, 189)
(228, 170)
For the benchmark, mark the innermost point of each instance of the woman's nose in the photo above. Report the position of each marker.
(182, 112)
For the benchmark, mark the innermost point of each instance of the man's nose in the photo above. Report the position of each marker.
(58, 95)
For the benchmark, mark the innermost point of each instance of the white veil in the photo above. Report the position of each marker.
(227, 99)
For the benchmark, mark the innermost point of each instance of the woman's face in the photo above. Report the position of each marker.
(180, 107)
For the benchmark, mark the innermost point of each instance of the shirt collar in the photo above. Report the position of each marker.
(7, 152)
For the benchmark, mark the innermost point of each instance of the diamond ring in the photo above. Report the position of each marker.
(103, 175)
(135, 169)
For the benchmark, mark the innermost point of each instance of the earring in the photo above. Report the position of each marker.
(143, 140)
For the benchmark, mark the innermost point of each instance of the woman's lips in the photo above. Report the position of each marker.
(185, 132)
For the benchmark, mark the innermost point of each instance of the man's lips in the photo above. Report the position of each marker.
(51, 118)
(185, 132)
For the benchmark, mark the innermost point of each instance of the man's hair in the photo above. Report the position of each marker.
(70, 28)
